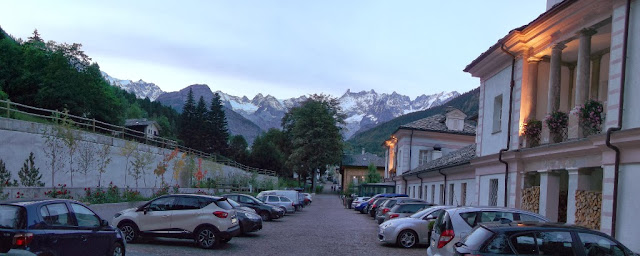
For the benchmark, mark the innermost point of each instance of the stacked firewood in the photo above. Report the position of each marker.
(531, 199)
(588, 208)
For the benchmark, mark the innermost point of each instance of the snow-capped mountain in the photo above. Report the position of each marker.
(363, 109)
(140, 88)
(367, 109)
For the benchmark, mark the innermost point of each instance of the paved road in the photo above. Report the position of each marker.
(323, 228)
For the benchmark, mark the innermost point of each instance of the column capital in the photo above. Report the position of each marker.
(587, 32)
(534, 59)
(559, 46)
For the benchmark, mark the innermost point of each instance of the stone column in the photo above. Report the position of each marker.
(595, 77)
(578, 180)
(582, 81)
(553, 99)
(572, 72)
(531, 89)
(549, 194)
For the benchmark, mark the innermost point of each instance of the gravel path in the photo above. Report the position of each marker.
(323, 228)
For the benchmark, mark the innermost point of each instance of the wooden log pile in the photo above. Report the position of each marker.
(531, 199)
(588, 208)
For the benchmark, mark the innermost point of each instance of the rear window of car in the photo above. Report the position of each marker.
(408, 208)
(469, 218)
(12, 217)
(284, 199)
(476, 238)
(442, 223)
(224, 204)
(498, 245)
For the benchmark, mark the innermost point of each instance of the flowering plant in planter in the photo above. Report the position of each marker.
(590, 115)
(557, 122)
(532, 130)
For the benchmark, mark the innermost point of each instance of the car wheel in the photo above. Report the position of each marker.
(265, 216)
(284, 209)
(407, 239)
(117, 250)
(130, 231)
(206, 238)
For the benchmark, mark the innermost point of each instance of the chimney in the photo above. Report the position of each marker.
(363, 151)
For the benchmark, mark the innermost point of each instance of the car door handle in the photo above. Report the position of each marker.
(164, 216)
(83, 238)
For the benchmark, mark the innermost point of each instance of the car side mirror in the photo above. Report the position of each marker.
(459, 244)
(104, 223)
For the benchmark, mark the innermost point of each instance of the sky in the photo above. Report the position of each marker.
(285, 48)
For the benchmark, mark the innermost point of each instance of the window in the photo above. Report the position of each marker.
(12, 217)
(224, 204)
(441, 194)
(544, 243)
(599, 245)
(85, 217)
(493, 192)
(191, 203)
(284, 199)
(433, 194)
(499, 245)
(162, 204)
(527, 217)
(451, 193)
(424, 157)
(495, 216)
(273, 199)
(56, 214)
(469, 218)
(497, 114)
(463, 194)
(245, 200)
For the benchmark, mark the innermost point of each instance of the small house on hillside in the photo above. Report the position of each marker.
(150, 128)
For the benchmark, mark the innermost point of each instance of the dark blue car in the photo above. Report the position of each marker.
(362, 207)
(57, 227)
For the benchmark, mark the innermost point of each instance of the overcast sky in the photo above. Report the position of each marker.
(283, 48)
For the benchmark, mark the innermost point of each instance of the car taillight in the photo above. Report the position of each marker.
(292, 204)
(445, 238)
(22, 239)
(385, 210)
(395, 215)
(220, 214)
(373, 206)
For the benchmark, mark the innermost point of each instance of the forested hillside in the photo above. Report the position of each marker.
(60, 76)
(371, 140)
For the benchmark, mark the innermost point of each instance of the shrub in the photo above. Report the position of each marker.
(59, 191)
(532, 130)
(557, 121)
(590, 115)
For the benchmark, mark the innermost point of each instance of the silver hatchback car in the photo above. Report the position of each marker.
(280, 201)
(410, 231)
(455, 223)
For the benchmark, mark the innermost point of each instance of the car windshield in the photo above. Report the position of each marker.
(11, 217)
(420, 214)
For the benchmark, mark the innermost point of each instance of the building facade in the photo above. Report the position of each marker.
(355, 168)
(576, 54)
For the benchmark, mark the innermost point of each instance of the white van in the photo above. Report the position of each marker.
(293, 195)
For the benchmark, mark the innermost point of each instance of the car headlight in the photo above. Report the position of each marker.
(253, 216)
(385, 225)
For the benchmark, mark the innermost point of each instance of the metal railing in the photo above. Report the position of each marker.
(9, 109)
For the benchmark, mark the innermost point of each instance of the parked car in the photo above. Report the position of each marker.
(266, 212)
(362, 207)
(538, 239)
(378, 196)
(56, 227)
(209, 220)
(249, 220)
(386, 206)
(296, 197)
(359, 200)
(405, 209)
(280, 201)
(455, 223)
(374, 206)
(410, 231)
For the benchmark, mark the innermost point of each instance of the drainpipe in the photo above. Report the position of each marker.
(410, 148)
(619, 127)
(405, 185)
(506, 165)
(444, 190)
(418, 175)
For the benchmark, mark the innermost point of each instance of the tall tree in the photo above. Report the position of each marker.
(217, 121)
(372, 174)
(268, 152)
(314, 130)
(200, 132)
(30, 175)
(187, 120)
(238, 149)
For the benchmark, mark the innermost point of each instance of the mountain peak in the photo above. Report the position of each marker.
(140, 88)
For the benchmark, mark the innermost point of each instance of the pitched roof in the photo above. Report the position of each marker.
(436, 123)
(139, 122)
(362, 160)
(458, 157)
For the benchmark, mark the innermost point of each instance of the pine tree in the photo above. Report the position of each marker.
(200, 128)
(186, 121)
(5, 175)
(30, 175)
(218, 121)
